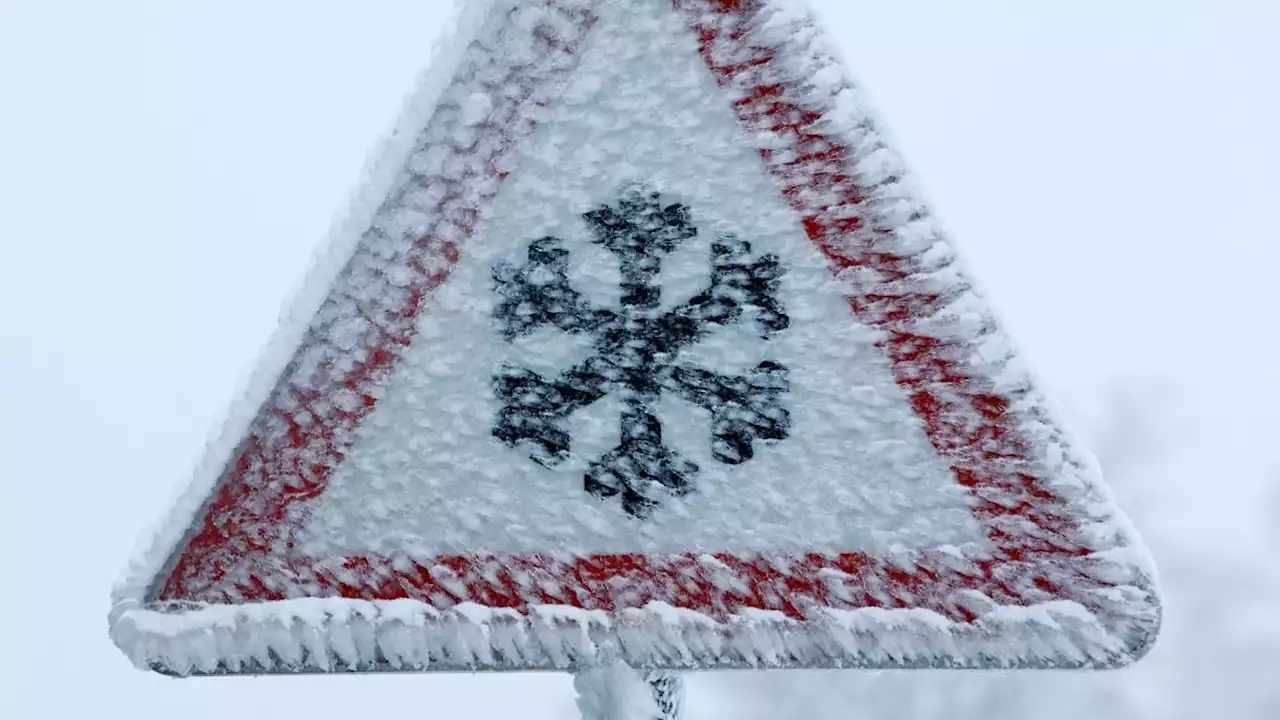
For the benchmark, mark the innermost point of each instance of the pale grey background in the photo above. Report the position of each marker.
(1109, 170)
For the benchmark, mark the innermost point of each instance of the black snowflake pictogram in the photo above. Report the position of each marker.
(635, 351)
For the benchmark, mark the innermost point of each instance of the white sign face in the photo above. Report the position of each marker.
(649, 341)
(855, 470)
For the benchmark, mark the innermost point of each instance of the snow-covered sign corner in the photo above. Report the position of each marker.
(639, 347)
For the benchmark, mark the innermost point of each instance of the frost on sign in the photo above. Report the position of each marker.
(640, 348)
(635, 350)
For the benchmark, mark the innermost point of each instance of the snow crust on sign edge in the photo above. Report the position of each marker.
(344, 635)
(384, 163)
(334, 634)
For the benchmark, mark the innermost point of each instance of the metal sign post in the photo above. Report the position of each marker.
(617, 692)
(668, 693)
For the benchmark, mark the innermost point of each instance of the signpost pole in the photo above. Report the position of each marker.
(668, 693)
(617, 692)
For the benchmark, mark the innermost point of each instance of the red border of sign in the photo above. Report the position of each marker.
(242, 550)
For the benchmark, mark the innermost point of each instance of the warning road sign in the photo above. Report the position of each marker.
(644, 350)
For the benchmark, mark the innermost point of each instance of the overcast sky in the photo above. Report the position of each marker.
(1109, 171)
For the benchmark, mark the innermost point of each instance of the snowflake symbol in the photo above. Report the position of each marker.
(635, 352)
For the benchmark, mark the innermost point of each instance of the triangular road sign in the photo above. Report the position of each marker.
(642, 349)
